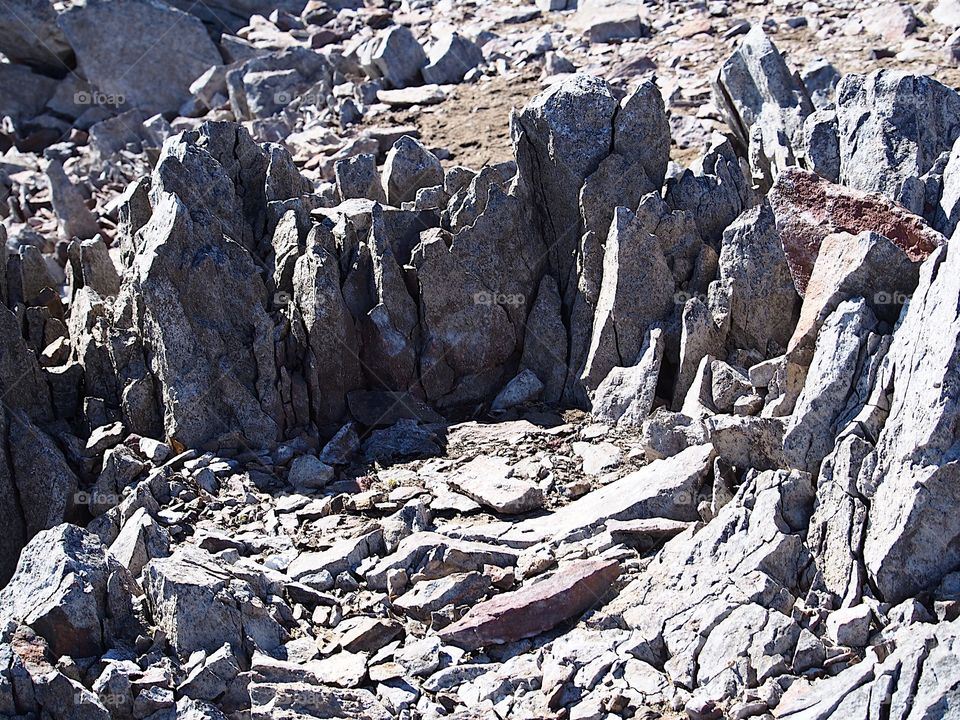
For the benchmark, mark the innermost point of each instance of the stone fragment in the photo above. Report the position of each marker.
(534, 608)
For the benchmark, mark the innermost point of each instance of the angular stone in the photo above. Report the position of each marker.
(534, 608)
(409, 166)
(429, 596)
(626, 395)
(761, 302)
(873, 159)
(523, 389)
(60, 590)
(764, 103)
(451, 57)
(398, 57)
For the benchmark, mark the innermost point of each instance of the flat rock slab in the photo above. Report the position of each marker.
(535, 608)
(487, 480)
(663, 489)
(423, 95)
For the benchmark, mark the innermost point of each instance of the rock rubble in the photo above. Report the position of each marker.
(652, 415)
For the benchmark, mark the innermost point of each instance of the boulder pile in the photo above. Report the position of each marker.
(302, 419)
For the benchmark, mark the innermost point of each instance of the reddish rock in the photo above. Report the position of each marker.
(808, 208)
(535, 608)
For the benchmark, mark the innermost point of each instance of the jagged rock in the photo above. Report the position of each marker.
(41, 686)
(545, 342)
(99, 272)
(357, 177)
(60, 590)
(715, 193)
(195, 600)
(760, 302)
(911, 536)
(43, 46)
(429, 596)
(450, 58)
(209, 679)
(266, 85)
(919, 676)
(749, 553)
(301, 699)
(398, 57)
(765, 104)
(75, 217)
(554, 158)
(665, 489)
(808, 208)
(633, 267)
(409, 166)
(626, 395)
(23, 93)
(112, 39)
(820, 147)
(534, 608)
(308, 473)
(873, 159)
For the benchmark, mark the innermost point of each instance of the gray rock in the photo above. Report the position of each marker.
(313, 701)
(450, 59)
(746, 554)
(489, 481)
(308, 473)
(545, 342)
(209, 679)
(664, 489)
(875, 160)
(23, 93)
(30, 36)
(626, 395)
(268, 84)
(409, 166)
(760, 300)
(76, 220)
(633, 267)
(357, 177)
(116, 45)
(820, 78)
(842, 352)
(429, 596)
(764, 103)
(524, 388)
(196, 601)
(911, 534)
(398, 57)
(60, 590)
(819, 145)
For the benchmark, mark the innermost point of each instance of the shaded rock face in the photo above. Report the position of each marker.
(112, 38)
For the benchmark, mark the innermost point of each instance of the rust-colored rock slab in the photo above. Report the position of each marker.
(808, 208)
(535, 608)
